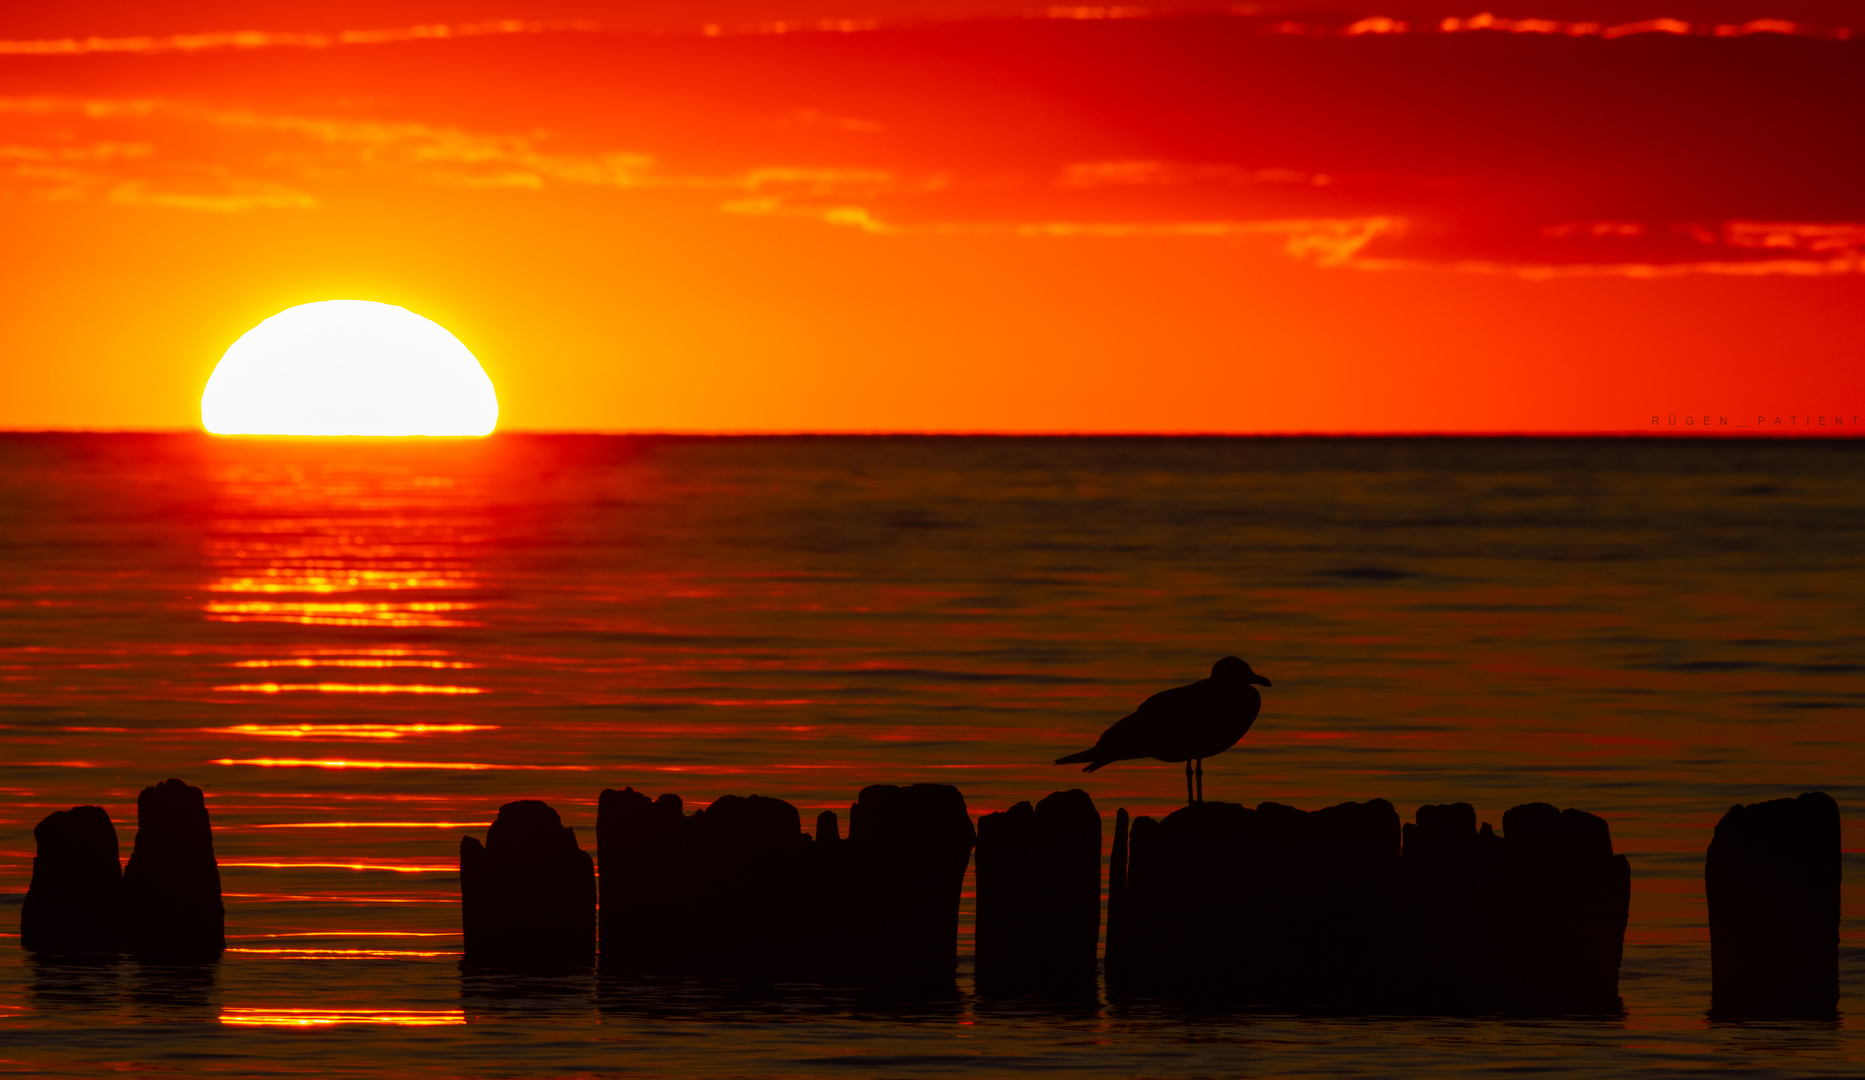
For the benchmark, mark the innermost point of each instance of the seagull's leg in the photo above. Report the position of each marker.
(1200, 779)
(1188, 782)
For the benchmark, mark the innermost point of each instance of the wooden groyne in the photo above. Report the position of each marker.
(1532, 919)
(165, 905)
(738, 888)
(727, 889)
(1341, 908)
(1269, 904)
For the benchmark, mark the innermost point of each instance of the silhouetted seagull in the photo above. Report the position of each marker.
(1185, 723)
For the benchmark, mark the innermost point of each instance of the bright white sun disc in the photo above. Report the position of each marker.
(348, 367)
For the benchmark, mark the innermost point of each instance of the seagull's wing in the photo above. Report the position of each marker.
(1171, 712)
(1159, 721)
(1118, 743)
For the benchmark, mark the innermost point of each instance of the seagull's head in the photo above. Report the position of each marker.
(1231, 669)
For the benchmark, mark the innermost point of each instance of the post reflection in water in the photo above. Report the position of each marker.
(173, 991)
(154, 991)
(360, 651)
(66, 982)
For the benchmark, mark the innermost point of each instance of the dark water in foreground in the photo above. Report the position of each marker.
(361, 650)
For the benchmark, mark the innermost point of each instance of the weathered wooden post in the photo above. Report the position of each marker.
(749, 861)
(171, 887)
(1185, 902)
(1114, 950)
(1445, 908)
(1319, 911)
(75, 901)
(1039, 894)
(907, 852)
(1562, 900)
(641, 849)
(1533, 919)
(528, 894)
(726, 889)
(1772, 876)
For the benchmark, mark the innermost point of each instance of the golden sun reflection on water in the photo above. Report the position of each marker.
(353, 662)
(360, 933)
(465, 766)
(346, 731)
(344, 954)
(254, 1017)
(307, 613)
(279, 579)
(371, 825)
(432, 868)
(347, 688)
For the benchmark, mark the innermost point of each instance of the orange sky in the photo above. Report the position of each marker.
(1236, 223)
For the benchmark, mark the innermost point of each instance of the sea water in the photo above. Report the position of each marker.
(361, 649)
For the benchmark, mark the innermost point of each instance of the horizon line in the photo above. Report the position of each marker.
(1809, 431)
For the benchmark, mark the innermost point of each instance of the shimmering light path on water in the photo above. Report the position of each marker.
(1648, 630)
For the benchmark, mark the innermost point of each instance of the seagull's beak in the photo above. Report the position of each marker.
(1258, 679)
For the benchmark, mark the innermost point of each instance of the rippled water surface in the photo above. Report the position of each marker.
(360, 650)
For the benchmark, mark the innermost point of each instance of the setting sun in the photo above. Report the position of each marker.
(348, 367)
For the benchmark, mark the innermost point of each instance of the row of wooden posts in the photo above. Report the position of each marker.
(1343, 907)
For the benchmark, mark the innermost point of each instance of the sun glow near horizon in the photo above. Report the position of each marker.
(349, 367)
